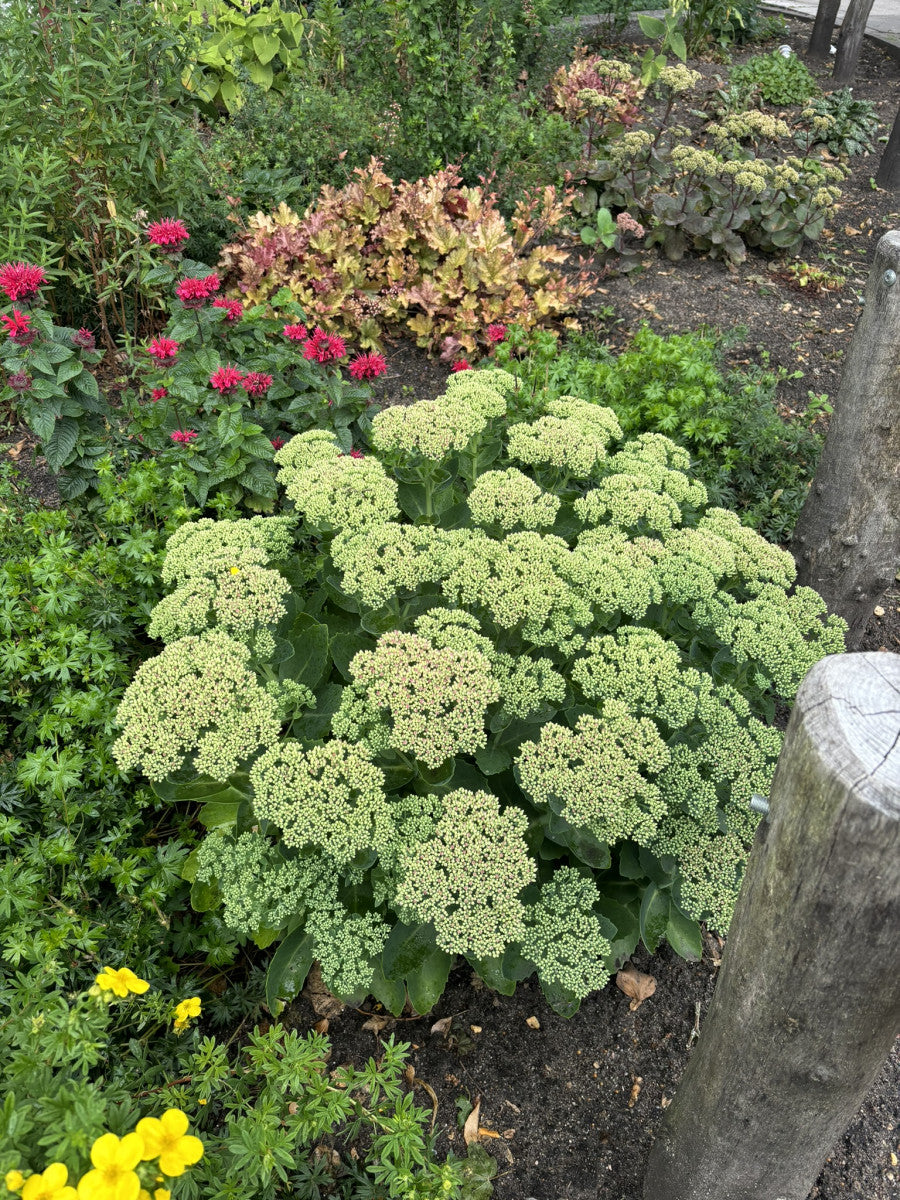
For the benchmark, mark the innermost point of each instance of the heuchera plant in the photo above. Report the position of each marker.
(226, 385)
(432, 257)
(500, 690)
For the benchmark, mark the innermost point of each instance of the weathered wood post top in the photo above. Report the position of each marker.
(807, 1005)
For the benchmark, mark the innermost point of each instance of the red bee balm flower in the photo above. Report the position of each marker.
(353, 454)
(367, 366)
(168, 235)
(18, 381)
(323, 347)
(21, 281)
(181, 436)
(18, 326)
(226, 379)
(277, 442)
(234, 309)
(84, 340)
(496, 333)
(159, 394)
(256, 384)
(193, 293)
(163, 349)
(296, 333)
(460, 365)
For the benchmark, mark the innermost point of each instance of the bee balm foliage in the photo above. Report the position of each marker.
(501, 689)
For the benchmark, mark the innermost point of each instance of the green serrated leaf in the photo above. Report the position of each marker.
(288, 969)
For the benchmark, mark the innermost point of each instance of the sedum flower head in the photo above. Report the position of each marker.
(167, 1139)
(307, 449)
(563, 937)
(432, 428)
(755, 559)
(340, 491)
(527, 685)
(615, 572)
(434, 699)
(385, 559)
(468, 876)
(199, 695)
(114, 1176)
(207, 547)
(679, 78)
(572, 437)
(598, 771)
(711, 867)
(485, 390)
(329, 796)
(239, 601)
(693, 563)
(628, 502)
(347, 946)
(510, 499)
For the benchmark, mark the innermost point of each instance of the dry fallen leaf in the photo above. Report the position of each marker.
(509, 1134)
(532, 1023)
(442, 1026)
(635, 984)
(470, 1129)
(635, 1090)
(376, 1024)
(665, 1102)
(324, 1004)
(16, 450)
(489, 1133)
(321, 1026)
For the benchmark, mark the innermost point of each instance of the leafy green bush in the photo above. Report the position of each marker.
(431, 257)
(777, 78)
(749, 459)
(492, 691)
(851, 123)
(96, 1080)
(94, 129)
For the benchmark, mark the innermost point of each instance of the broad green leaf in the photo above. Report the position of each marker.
(260, 73)
(389, 992)
(288, 969)
(560, 999)
(654, 917)
(204, 897)
(344, 647)
(61, 443)
(407, 948)
(491, 971)
(651, 26)
(68, 370)
(628, 930)
(426, 984)
(310, 658)
(265, 47)
(492, 760)
(218, 814)
(683, 934)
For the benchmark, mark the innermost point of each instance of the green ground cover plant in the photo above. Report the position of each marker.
(510, 636)
(776, 78)
(748, 457)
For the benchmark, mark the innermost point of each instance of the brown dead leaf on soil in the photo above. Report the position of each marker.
(470, 1129)
(323, 1002)
(376, 1024)
(635, 984)
(321, 1026)
(442, 1026)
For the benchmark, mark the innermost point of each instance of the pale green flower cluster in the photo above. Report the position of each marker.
(198, 694)
(435, 428)
(590, 98)
(509, 499)
(307, 449)
(239, 600)
(521, 582)
(563, 937)
(754, 124)
(783, 636)
(330, 796)
(628, 501)
(693, 563)
(207, 547)
(613, 69)
(679, 78)
(755, 559)
(482, 389)
(825, 197)
(572, 437)
(342, 492)
(348, 945)
(434, 699)
(711, 867)
(382, 560)
(693, 160)
(613, 571)
(468, 876)
(598, 772)
(630, 146)
(260, 888)
(290, 697)
(784, 176)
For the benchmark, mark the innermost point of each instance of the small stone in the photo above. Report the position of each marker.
(532, 1023)
(879, 611)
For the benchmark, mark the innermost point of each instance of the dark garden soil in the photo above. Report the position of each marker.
(569, 1108)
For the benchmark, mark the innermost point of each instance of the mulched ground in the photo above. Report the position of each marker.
(574, 1104)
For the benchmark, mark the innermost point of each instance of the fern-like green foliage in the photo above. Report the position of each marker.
(542, 671)
(778, 78)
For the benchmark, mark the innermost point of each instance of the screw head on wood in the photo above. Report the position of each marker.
(889, 277)
(759, 804)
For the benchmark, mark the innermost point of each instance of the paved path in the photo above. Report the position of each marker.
(883, 23)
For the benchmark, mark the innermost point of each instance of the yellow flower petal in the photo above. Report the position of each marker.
(14, 1181)
(151, 1133)
(174, 1122)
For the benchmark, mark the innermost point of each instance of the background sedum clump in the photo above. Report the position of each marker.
(501, 689)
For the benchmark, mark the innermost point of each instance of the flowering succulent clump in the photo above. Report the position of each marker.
(198, 695)
(468, 876)
(510, 499)
(434, 700)
(450, 728)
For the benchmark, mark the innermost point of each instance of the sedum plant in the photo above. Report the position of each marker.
(500, 690)
(431, 257)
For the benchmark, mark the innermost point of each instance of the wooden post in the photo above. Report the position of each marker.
(847, 540)
(853, 28)
(889, 168)
(807, 1004)
(823, 29)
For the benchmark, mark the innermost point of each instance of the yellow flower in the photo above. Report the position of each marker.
(185, 1010)
(121, 982)
(14, 1181)
(235, 570)
(51, 1185)
(168, 1139)
(158, 1194)
(115, 1177)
